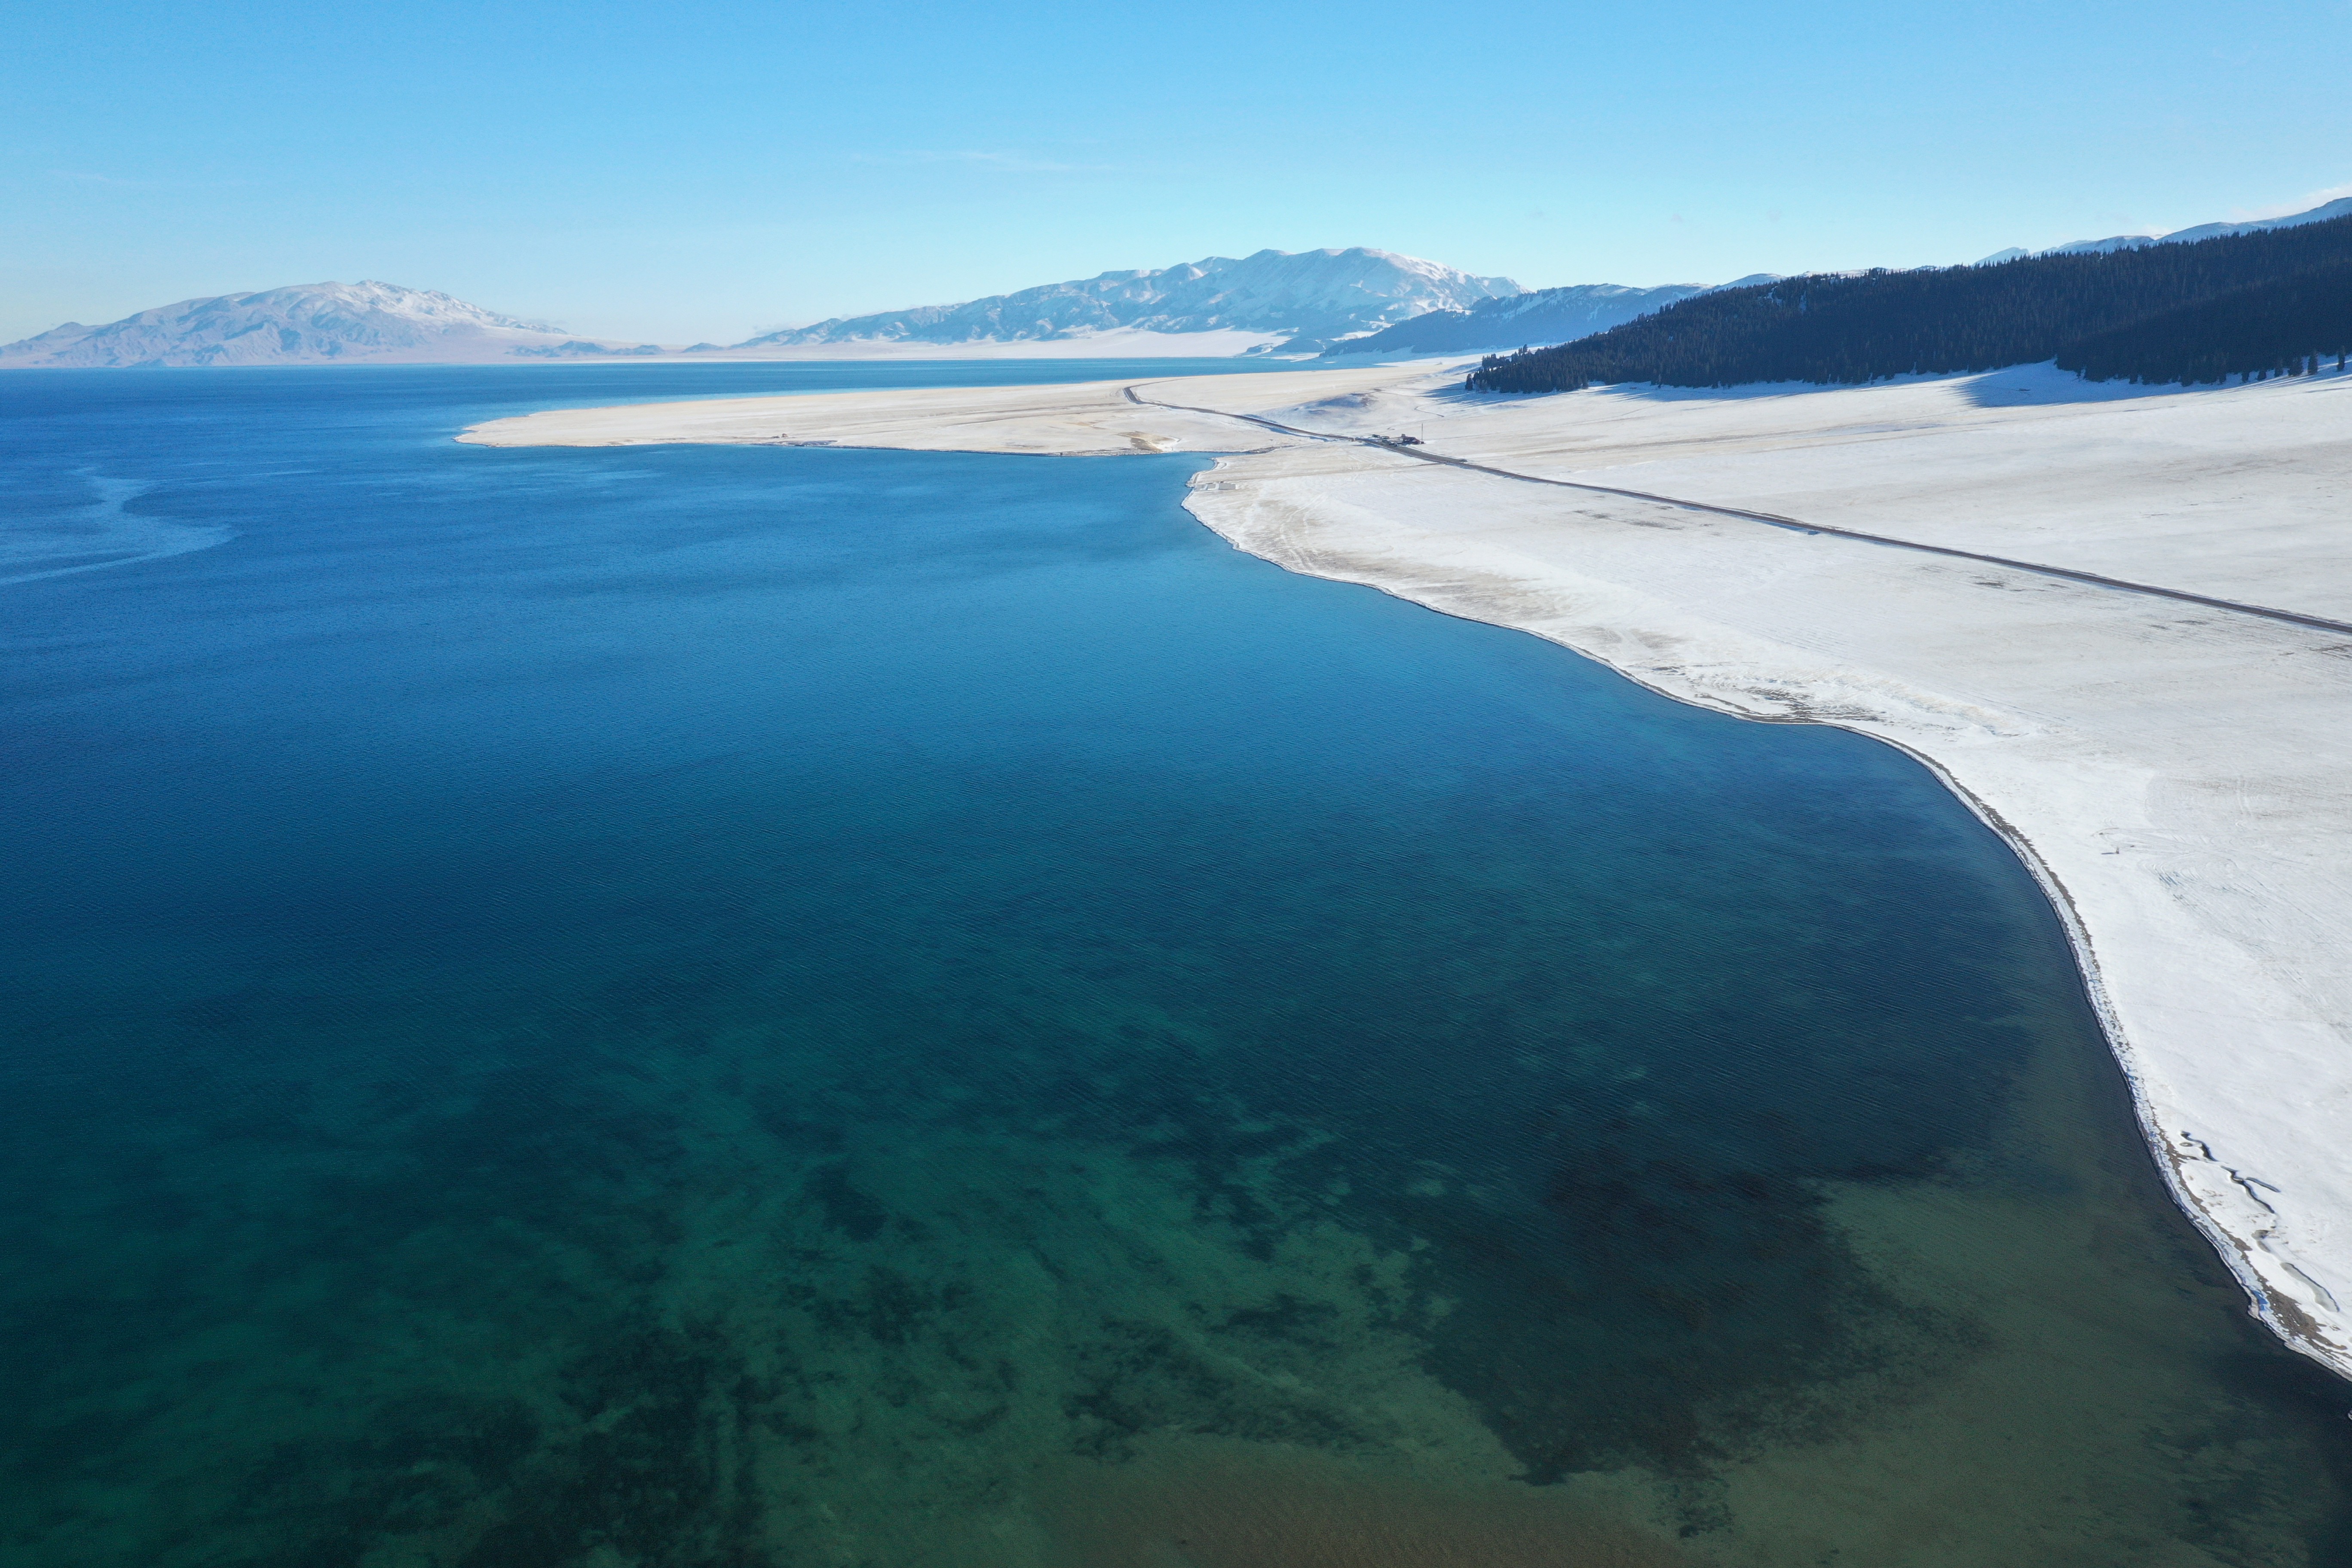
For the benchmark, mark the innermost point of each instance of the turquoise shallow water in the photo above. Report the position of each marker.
(743, 1006)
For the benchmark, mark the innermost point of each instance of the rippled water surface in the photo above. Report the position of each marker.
(702, 1006)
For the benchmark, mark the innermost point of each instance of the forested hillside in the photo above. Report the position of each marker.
(2252, 331)
(2243, 304)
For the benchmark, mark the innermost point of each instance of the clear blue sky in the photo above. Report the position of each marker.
(701, 170)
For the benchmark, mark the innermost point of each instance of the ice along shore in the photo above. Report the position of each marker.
(2174, 766)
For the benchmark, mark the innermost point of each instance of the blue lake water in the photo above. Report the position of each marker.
(726, 1006)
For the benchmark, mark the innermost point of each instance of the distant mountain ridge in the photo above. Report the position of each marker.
(1300, 302)
(1272, 302)
(1333, 302)
(301, 323)
(1541, 316)
(2270, 301)
(2326, 212)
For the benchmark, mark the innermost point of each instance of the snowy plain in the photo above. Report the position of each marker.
(2178, 775)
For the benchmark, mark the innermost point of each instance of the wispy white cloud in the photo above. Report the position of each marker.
(1002, 163)
(86, 177)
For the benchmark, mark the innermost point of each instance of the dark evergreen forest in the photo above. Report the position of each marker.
(2253, 304)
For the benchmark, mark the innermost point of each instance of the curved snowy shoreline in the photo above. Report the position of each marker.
(2177, 777)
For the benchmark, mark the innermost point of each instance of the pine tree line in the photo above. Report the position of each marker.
(2239, 304)
(2288, 328)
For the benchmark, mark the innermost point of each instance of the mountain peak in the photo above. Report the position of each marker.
(295, 324)
(1293, 303)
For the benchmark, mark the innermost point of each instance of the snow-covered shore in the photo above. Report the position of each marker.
(2180, 776)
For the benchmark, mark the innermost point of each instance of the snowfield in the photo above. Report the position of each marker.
(2179, 775)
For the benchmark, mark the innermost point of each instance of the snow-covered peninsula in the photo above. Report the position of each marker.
(2116, 621)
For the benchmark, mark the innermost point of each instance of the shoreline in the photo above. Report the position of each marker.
(2067, 721)
(2165, 1159)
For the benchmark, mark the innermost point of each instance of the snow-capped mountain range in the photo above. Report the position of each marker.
(2340, 207)
(1273, 301)
(1297, 303)
(312, 323)
(1349, 302)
